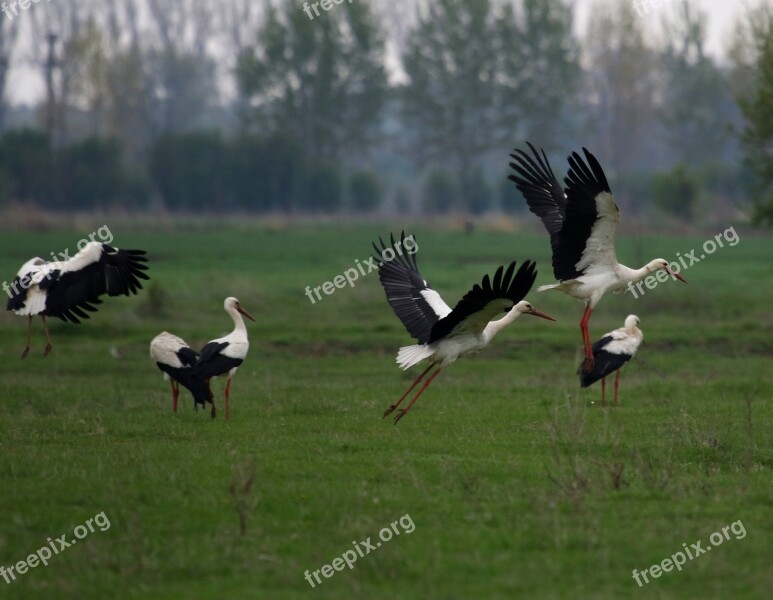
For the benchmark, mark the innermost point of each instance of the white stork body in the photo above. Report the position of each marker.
(582, 223)
(66, 289)
(611, 352)
(223, 356)
(176, 360)
(444, 334)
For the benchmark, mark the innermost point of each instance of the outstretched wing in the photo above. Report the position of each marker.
(588, 235)
(415, 303)
(485, 301)
(76, 284)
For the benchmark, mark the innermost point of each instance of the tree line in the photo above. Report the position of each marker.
(406, 105)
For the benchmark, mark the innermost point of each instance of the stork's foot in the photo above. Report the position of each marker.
(390, 410)
(26, 352)
(587, 364)
(47, 350)
(400, 414)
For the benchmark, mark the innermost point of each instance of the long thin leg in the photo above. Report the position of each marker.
(29, 334)
(175, 394)
(392, 407)
(603, 391)
(48, 337)
(211, 399)
(617, 384)
(404, 411)
(227, 395)
(587, 364)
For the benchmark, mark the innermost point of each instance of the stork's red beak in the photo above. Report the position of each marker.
(677, 275)
(245, 313)
(541, 315)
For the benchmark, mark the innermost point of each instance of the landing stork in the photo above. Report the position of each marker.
(176, 360)
(445, 334)
(611, 352)
(582, 223)
(223, 356)
(68, 288)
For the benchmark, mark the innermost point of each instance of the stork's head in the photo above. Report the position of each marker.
(632, 321)
(661, 264)
(525, 308)
(232, 304)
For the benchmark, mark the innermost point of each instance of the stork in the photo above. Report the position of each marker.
(176, 359)
(223, 356)
(582, 223)
(445, 335)
(66, 289)
(611, 352)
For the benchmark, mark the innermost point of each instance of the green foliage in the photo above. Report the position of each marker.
(91, 173)
(25, 156)
(323, 189)
(189, 170)
(366, 190)
(676, 192)
(440, 192)
(321, 82)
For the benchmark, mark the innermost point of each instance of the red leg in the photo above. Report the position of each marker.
(603, 391)
(404, 411)
(29, 334)
(617, 384)
(587, 364)
(227, 395)
(175, 394)
(392, 407)
(48, 337)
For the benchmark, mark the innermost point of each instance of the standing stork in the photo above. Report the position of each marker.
(445, 334)
(611, 352)
(176, 359)
(582, 223)
(68, 288)
(224, 355)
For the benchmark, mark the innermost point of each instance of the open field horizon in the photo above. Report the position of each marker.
(517, 482)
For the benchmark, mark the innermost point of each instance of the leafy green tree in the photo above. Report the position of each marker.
(25, 156)
(754, 67)
(365, 190)
(676, 192)
(322, 82)
(440, 192)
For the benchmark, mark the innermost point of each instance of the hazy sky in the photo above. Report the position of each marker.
(25, 84)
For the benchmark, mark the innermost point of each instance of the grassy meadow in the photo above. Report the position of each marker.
(518, 483)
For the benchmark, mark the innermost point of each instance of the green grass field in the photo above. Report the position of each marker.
(518, 483)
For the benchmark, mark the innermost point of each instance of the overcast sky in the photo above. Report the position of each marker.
(25, 84)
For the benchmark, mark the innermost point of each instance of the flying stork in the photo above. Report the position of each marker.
(224, 355)
(445, 334)
(176, 359)
(611, 352)
(66, 289)
(582, 223)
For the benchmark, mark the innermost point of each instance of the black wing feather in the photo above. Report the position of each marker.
(212, 363)
(403, 286)
(117, 272)
(482, 299)
(604, 363)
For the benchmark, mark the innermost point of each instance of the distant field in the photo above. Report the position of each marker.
(519, 484)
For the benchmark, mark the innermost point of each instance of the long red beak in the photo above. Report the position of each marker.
(677, 275)
(245, 313)
(541, 315)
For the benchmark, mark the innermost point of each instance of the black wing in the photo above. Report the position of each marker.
(78, 284)
(187, 356)
(485, 301)
(604, 363)
(16, 294)
(415, 303)
(212, 363)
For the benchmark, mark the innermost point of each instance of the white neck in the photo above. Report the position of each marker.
(238, 321)
(633, 275)
(494, 327)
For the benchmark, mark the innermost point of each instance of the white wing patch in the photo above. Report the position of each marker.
(164, 347)
(624, 342)
(436, 303)
(600, 246)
